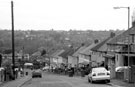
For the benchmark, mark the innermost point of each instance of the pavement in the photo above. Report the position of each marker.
(120, 83)
(17, 82)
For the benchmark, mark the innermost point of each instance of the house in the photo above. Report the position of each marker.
(88, 55)
(101, 49)
(123, 48)
(66, 56)
(55, 58)
(78, 57)
(17, 58)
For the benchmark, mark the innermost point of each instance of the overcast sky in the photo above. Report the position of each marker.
(66, 14)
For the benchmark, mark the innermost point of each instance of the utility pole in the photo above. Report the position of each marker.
(77, 62)
(49, 63)
(90, 62)
(128, 36)
(13, 47)
(23, 57)
(23, 60)
(0, 59)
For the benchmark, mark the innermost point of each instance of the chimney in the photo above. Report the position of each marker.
(82, 44)
(133, 19)
(112, 34)
(96, 41)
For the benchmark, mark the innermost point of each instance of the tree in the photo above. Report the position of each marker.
(7, 51)
(36, 64)
(43, 52)
(96, 41)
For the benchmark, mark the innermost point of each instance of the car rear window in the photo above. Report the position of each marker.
(98, 69)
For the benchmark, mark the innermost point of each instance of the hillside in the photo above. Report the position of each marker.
(32, 40)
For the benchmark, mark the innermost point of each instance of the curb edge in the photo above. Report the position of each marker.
(24, 82)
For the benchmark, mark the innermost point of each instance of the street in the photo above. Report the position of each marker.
(54, 80)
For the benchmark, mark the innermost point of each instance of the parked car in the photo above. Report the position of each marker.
(99, 74)
(121, 68)
(45, 68)
(37, 73)
(1, 68)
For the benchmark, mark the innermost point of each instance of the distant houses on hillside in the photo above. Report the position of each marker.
(18, 57)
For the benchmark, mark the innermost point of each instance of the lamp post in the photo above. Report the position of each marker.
(128, 8)
(13, 47)
(90, 62)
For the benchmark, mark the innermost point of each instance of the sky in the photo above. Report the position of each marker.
(66, 14)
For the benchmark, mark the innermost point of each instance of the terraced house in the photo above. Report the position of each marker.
(122, 52)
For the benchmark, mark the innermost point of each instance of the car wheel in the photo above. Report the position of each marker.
(91, 81)
(107, 81)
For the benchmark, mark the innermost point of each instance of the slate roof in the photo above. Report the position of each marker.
(122, 38)
(67, 52)
(87, 50)
(57, 53)
(78, 51)
(102, 46)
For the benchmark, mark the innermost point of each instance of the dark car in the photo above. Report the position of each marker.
(37, 73)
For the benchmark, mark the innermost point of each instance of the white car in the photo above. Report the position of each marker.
(45, 68)
(99, 74)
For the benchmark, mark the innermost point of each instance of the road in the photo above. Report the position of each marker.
(53, 80)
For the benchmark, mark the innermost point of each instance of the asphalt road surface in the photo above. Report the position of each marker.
(53, 80)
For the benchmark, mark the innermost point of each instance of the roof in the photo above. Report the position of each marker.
(87, 50)
(102, 46)
(36, 53)
(123, 37)
(109, 56)
(78, 51)
(67, 52)
(57, 53)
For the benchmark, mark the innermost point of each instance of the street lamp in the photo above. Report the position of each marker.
(13, 44)
(128, 14)
(128, 8)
